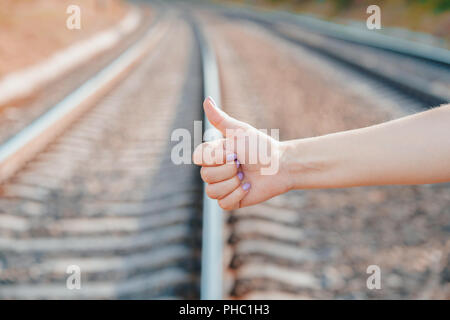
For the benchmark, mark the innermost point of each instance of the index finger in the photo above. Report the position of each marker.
(212, 153)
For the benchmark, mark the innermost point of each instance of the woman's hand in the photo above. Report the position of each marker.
(242, 169)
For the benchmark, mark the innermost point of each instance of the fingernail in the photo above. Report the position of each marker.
(240, 175)
(246, 186)
(212, 101)
(231, 157)
(237, 163)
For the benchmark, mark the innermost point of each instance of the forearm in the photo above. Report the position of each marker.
(410, 150)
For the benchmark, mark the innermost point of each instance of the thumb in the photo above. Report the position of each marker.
(219, 119)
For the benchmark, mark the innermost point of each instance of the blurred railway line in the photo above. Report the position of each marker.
(105, 195)
(318, 244)
(424, 77)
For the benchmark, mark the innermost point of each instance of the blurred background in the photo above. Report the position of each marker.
(87, 122)
(426, 17)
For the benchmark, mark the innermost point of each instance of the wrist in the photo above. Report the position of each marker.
(306, 163)
(286, 154)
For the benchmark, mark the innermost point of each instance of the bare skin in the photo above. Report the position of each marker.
(410, 150)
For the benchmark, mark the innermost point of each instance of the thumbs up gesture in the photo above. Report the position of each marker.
(244, 167)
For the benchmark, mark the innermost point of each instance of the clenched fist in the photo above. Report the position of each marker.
(243, 168)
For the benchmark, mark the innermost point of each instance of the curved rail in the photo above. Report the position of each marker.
(15, 152)
(350, 34)
(306, 33)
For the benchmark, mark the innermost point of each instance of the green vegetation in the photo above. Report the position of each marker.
(437, 6)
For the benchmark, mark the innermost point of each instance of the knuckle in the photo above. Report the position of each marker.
(224, 205)
(236, 181)
(218, 156)
(199, 153)
(233, 169)
(207, 153)
(210, 192)
(204, 174)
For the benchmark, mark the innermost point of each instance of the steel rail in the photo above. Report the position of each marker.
(19, 149)
(212, 228)
(369, 38)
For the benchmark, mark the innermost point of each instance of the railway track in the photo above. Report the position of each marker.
(288, 247)
(102, 192)
(104, 195)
